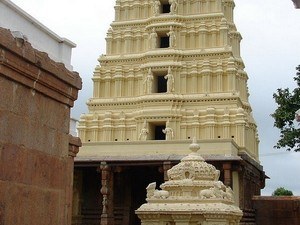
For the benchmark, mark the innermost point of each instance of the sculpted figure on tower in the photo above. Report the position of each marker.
(156, 7)
(170, 81)
(168, 131)
(153, 39)
(172, 38)
(173, 6)
(148, 82)
(144, 132)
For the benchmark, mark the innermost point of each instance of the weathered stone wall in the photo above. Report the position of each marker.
(277, 210)
(36, 150)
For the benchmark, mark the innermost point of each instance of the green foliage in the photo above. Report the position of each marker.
(282, 192)
(288, 103)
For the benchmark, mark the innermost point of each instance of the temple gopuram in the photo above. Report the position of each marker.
(172, 71)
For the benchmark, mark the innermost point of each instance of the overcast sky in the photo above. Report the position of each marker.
(270, 49)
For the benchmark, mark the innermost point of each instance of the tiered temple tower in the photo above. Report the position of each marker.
(172, 71)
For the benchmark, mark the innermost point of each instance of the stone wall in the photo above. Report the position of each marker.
(277, 210)
(36, 150)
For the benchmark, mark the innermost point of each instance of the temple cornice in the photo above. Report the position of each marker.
(42, 74)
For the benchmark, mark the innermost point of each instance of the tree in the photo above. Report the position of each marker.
(282, 192)
(288, 103)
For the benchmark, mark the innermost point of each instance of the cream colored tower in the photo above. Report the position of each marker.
(172, 71)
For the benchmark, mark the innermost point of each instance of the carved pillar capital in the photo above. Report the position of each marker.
(103, 167)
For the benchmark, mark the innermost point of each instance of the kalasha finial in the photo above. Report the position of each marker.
(194, 147)
(194, 155)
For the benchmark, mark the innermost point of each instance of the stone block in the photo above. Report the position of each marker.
(53, 114)
(6, 97)
(32, 134)
(3, 123)
(33, 168)
(33, 205)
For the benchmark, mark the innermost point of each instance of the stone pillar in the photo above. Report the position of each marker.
(202, 39)
(107, 178)
(119, 44)
(196, 124)
(224, 40)
(107, 81)
(107, 127)
(109, 41)
(231, 74)
(227, 174)
(194, 76)
(77, 198)
(240, 127)
(219, 81)
(118, 85)
(210, 123)
(130, 89)
(167, 165)
(206, 76)
(117, 11)
(94, 128)
(138, 43)
(236, 186)
(226, 124)
(97, 84)
(192, 34)
(214, 35)
(128, 42)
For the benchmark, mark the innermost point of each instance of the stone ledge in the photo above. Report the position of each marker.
(37, 70)
(151, 158)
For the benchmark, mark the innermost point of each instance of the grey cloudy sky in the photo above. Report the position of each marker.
(270, 49)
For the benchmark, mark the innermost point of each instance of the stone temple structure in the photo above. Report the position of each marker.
(192, 195)
(172, 71)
